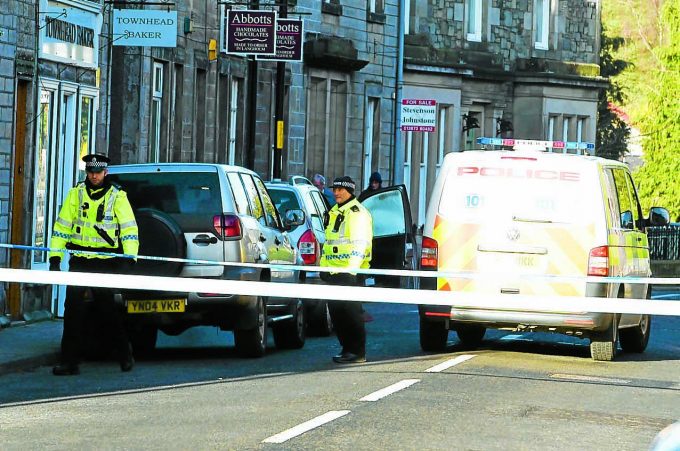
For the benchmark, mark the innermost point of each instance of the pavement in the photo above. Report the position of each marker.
(25, 345)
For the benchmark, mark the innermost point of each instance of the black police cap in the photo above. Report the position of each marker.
(95, 162)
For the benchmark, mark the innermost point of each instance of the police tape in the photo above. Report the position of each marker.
(367, 271)
(557, 304)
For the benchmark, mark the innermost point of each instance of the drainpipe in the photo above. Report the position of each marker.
(398, 154)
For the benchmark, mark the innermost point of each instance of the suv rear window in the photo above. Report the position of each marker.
(174, 193)
(284, 199)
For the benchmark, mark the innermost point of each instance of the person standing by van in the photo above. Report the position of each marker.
(349, 236)
(374, 183)
(320, 182)
(96, 216)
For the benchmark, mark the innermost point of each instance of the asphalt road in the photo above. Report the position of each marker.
(534, 391)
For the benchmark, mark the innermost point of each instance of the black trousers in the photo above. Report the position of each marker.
(348, 316)
(76, 309)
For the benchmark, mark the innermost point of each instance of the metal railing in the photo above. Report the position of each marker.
(664, 242)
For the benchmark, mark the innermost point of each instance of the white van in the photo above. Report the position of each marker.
(502, 215)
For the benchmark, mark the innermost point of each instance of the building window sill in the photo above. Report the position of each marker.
(375, 17)
(331, 8)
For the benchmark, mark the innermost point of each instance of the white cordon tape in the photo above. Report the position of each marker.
(370, 272)
(562, 304)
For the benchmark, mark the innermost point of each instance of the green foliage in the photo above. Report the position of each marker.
(612, 133)
(659, 121)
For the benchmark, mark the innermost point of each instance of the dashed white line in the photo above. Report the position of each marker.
(389, 390)
(579, 377)
(449, 363)
(306, 426)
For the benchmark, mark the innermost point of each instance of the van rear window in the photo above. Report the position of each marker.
(175, 193)
(475, 194)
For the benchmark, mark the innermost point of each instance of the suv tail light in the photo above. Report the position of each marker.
(598, 261)
(227, 226)
(309, 247)
(429, 256)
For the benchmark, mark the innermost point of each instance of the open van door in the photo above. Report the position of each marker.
(394, 244)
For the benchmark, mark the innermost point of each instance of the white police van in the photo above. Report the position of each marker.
(503, 215)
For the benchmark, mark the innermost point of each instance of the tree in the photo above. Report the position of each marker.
(660, 121)
(612, 132)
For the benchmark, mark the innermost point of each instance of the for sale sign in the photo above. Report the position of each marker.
(251, 32)
(418, 115)
(289, 33)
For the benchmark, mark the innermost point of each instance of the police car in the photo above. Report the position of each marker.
(503, 215)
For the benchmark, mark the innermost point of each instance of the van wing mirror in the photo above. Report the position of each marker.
(658, 216)
(293, 218)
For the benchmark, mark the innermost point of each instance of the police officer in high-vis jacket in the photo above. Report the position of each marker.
(96, 216)
(349, 236)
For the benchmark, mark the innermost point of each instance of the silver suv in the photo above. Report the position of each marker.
(216, 213)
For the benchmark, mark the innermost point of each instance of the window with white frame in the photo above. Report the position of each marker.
(541, 23)
(473, 20)
(327, 123)
(376, 6)
(156, 112)
(551, 128)
(233, 115)
(371, 139)
(444, 133)
(580, 129)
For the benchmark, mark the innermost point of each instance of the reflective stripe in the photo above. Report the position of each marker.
(64, 222)
(61, 235)
(129, 237)
(125, 225)
(338, 242)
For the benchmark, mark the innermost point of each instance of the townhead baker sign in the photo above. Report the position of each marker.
(69, 34)
(144, 28)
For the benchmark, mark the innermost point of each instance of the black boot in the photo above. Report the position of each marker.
(127, 361)
(66, 369)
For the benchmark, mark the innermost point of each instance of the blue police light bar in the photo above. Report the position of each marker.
(511, 142)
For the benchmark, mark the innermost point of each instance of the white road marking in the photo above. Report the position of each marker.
(306, 426)
(389, 390)
(579, 377)
(449, 363)
(512, 337)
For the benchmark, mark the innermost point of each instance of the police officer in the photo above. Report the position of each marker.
(349, 235)
(96, 216)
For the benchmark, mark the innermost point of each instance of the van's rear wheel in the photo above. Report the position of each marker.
(603, 344)
(635, 339)
(290, 334)
(253, 342)
(433, 335)
(470, 335)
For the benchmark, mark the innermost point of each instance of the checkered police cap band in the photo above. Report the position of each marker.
(96, 164)
(350, 186)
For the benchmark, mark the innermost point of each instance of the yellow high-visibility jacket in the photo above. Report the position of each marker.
(349, 236)
(81, 216)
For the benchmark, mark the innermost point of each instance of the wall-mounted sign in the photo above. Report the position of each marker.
(70, 35)
(144, 28)
(289, 35)
(418, 115)
(251, 32)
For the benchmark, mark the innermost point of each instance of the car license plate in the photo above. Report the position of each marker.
(157, 306)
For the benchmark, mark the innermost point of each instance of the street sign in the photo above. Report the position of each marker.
(251, 32)
(144, 28)
(418, 115)
(289, 34)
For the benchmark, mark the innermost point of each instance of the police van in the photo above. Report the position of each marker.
(502, 219)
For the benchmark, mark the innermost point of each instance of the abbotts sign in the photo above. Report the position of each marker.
(251, 32)
(289, 33)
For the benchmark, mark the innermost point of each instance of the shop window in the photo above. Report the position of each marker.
(42, 174)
